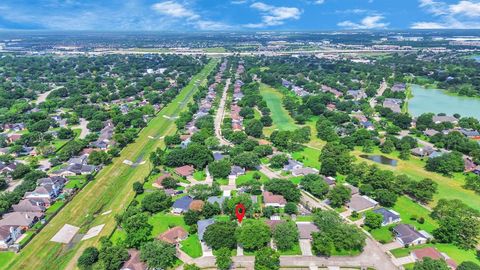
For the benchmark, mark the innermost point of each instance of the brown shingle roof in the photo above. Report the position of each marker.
(186, 170)
(269, 197)
(173, 235)
(158, 182)
(197, 205)
(134, 263)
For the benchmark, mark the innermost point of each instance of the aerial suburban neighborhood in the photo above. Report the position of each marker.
(247, 147)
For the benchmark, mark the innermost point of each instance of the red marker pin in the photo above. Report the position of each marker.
(240, 212)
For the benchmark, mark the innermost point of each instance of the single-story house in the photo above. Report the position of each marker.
(45, 191)
(272, 223)
(202, 226)
(430, 132)
(174, 235)
(182, 204)
(407, 235)
(389, 216)
(399, 87)
(361, 203)
(353, 189)
(329, 180)
(422, 151)
(236, 171)
(433, 253)
(437, 119)
(28, 205)
(305, 230)
(75, 169)
(158, 182)
(357, 94)
(472, 134)
(8, 235)
(304, 171)
(185, 171)
(217, 199)
(292, 165)
(271, 199)
(196, 205)
(24, 220)
(218, 155)
(134, 262)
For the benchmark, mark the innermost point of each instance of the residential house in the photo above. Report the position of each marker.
(272, 223)
(158, 182)
(305, 230)
(185, 171)
(393, 104)
(236, 171)
(202, 226)
(292, 165)
(471, 134)
(469, 164)
(8, 235)
(437, 119)
(182, 205)
(42, 192)
(422, 151)
(24, 220)
(271, 199)
(185, 143)
(29, 205)
(13, 138)
(389, 216)
(361, 203)
(329, 180)
(430, 132)
(367, 125)
(304, 171)
(399, 87)
(433, 253)
(75, 169)
(56, 182)
(217, 199)
(174, 235)
(134, 262)
(357, 94)
(334, 91)
(78, 160)
(196, 205)
(218, 155)
(7, 169)
(407, 235)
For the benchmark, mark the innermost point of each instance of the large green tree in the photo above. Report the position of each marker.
(221, 234)
(158, 254)
(253, 234)
(267, 259)
(285, 235)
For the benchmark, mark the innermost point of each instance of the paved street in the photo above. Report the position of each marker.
(220, 115)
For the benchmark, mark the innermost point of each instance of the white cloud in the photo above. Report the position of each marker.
(369, 22)
(273, 15)
(238, 2)
(450, 16)
(319, 2)
(174, 9)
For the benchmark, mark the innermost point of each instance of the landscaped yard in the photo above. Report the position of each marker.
(162, 222)
(382, 235)
(458, 255)
(294, 251)
(192, 246)
(199, 175)
(281, 118)
(408, 209)
(308, 156)
(248, 176)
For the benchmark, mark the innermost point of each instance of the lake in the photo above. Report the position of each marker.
(436, 101)
(381, 159)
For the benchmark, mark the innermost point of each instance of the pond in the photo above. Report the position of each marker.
(381, 159)
(426, 100)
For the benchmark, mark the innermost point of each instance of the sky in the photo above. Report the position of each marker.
(238, 15)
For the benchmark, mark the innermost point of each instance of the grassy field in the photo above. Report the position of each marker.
(408, 208)
(111, 190)
(281, 118)
(448, 187)
(192, 246)
(162, 222)
(308, 156)
(248, 176)
(382, 235)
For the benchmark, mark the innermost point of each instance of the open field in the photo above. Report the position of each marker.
(448, 187)
(111, 190)
(409, 209)
(281, 118)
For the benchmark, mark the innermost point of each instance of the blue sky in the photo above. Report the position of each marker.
(195, 15)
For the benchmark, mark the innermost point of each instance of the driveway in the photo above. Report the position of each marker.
(306, 247)
(390, 246)
(403, 260)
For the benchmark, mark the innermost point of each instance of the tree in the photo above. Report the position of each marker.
(156, 201)
(373, 220)
(95, 125)
(157, 157)
(111, 257)
(220, 168)
(468, 265)
(472, 182)
(335, 158)
(158, 254)
(65, 134)
(88, 258)
(98, 157)
(285, 188)
(278, 161)
(285, 235)
(267, 259)
(314, 184)
(248, 160)
(339, 195)
(191, 217)
(254, 128)
(198, 155)
(423, 191)
(138, 230)
(253, 234)
(170, 182)
(386, 197)
(388, 147)
(223, 259)
(138, 187)
(430, 264)
(291, 208)
(263, 150)
(446, 164)
(221, 235)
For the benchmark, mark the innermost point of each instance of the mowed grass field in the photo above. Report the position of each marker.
(281, 118)
(111, 190)
(448, 187)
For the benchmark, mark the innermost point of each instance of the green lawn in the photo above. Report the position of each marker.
(199, 175)
(5, 258)
(54, 207)
(162, 222)
(448, 187)
(304, 218)
(248, 176)
(308, 156)
(382, 235)
(408, 208)
(295, 250)
(281, 118)
(111, 190)
(192, 246)
(457, 254)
